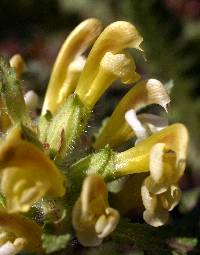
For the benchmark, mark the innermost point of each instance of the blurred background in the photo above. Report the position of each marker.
(171, 32)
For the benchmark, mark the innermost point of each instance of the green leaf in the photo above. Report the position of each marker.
(11, 94)
(52, 243)
(183, 245)
(151, 240)
(30, 136)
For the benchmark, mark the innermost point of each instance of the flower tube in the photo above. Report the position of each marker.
(136, 159)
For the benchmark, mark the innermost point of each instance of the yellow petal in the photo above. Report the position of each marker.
(137, 158)
(156, 218)
(22, 187)
(171, 197)
(107, 223)
(149, 200)
(20, 158)
(76, 43)
(116, 130)
(112, 67)
(165, 169)
(127, 37)
(94, 194)
(92, 218)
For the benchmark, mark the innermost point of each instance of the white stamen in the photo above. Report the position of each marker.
(135, 124)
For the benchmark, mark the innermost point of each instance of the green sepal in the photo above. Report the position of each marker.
(11, 94)
(66, 127)
(30, 136)
(101, 163)
(52, 243)
(43, 125)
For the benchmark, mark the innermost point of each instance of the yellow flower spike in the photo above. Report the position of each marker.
(92, 218)
(27, 174)
(18, 233)
(18, 63)
(75, 44)
(116, 129)
(136, 159)
(127, 37)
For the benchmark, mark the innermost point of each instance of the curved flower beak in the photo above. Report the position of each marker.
(92, 218)
(18, 233)
(27, 174)
(116, 130)
(106, 60)
(63, 75)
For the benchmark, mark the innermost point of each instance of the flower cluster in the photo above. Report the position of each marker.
(45, 182)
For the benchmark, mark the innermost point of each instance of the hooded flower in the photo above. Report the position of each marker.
(27, 174)
(160, 191)
(93, 219)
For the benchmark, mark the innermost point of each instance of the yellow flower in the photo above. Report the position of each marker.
(18, 233)
(107, 62)
(92, 218)
(136, 159)
(27, 174)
